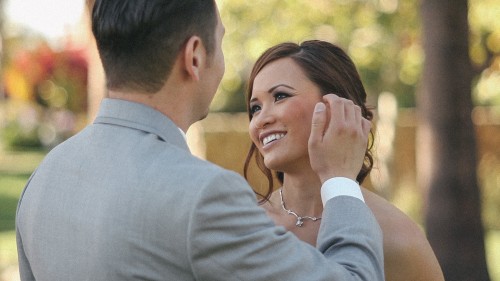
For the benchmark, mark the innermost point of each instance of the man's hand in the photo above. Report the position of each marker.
(339, 137)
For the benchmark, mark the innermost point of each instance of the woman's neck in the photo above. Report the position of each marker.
(302, 194)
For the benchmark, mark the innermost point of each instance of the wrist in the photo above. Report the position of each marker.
(328, 176)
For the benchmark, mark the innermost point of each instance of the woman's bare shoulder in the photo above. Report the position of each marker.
(389, 216)
(406, 248)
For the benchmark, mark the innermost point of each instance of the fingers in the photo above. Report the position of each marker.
(358, 116)
(336, 108)
(338, 140)
(318, 123)
(345, 114)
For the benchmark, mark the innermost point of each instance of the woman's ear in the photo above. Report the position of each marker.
(194, 57)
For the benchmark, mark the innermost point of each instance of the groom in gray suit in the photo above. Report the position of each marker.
(125, 200)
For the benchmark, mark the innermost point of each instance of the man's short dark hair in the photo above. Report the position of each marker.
(139, 40)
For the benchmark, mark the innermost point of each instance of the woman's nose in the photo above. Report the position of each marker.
(264, 118)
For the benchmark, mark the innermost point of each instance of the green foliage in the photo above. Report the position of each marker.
(382, 37)
(10, 189)
(485, 50)
(14, 136)
(15, 169)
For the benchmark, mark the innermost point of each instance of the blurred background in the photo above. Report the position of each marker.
(52, 83)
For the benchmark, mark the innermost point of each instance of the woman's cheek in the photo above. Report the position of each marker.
(252, 133)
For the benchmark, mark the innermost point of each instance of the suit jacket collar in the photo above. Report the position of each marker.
(140, 117)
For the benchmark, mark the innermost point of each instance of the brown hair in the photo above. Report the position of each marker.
(138, 41)
(331, 69)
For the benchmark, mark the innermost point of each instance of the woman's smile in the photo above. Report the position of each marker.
(269, 138)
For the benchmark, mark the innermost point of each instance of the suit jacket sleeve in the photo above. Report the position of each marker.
(232, 239)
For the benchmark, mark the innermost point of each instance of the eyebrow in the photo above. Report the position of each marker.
(280, 85)
(274, 88)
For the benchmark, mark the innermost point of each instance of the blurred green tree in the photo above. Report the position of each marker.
(382, 36)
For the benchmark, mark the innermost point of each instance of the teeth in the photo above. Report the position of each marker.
(271, 138)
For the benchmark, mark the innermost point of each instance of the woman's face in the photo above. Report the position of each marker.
(282, 104)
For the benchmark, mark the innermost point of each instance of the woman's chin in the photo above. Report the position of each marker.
(273, 164)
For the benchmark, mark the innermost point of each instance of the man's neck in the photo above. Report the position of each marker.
(172, 107)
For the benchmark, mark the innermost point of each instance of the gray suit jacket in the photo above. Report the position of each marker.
(125, 200)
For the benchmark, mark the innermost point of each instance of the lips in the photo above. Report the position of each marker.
(272, 137)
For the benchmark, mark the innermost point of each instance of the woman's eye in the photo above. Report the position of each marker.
(280, 95)
(254, 109)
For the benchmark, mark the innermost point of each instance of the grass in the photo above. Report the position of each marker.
(20, 163)
(8, 252)
(10, 189)
(16, 167)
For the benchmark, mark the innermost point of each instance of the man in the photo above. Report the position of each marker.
(125, 200)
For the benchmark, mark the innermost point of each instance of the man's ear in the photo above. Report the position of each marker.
(194, 57)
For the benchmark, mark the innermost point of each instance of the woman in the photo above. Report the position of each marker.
(285, 84)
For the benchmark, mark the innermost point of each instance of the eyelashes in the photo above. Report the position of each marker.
(280, 95)
(277, 96)
(253, 109)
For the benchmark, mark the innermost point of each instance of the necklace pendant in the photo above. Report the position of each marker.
(299, 222)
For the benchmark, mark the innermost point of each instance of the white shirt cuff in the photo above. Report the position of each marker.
(340, 186)
(182, 133)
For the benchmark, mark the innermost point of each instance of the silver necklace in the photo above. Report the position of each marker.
(300, 219)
